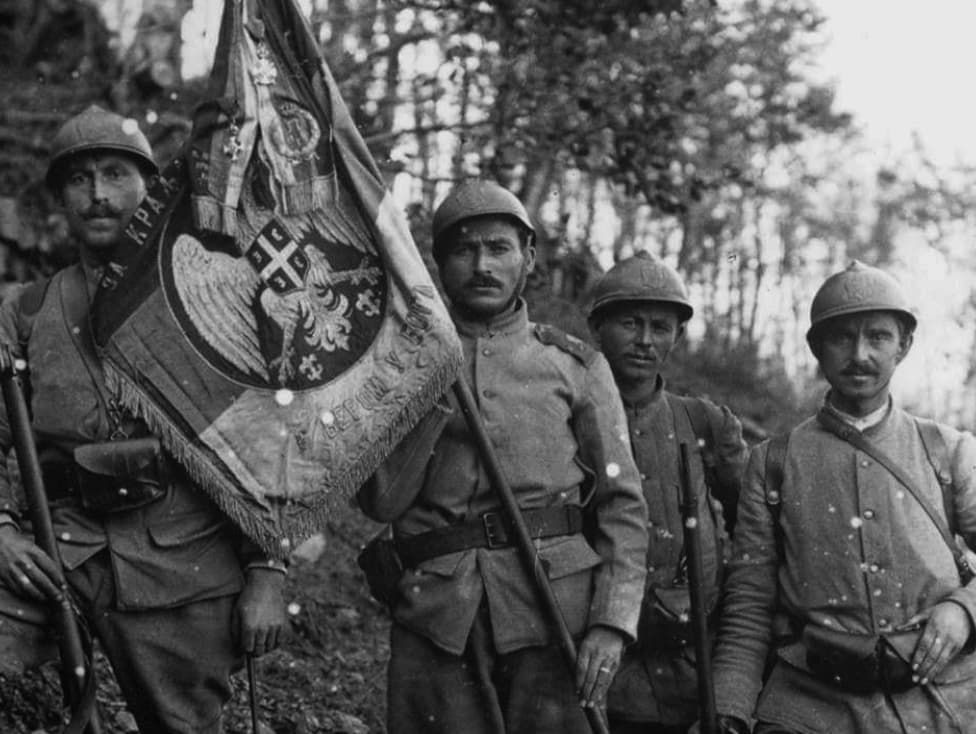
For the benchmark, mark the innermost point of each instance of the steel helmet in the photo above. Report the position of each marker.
(858, 288)
(98, 129)
(477, 199)
(642, 277)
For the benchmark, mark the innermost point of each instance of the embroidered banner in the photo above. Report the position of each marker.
(269, 315)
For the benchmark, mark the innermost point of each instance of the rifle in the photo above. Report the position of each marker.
(523, 539)
(696, 586)
(77, 675)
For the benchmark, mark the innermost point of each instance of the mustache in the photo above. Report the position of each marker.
(101, 211)
(483, 281)
(853, 370)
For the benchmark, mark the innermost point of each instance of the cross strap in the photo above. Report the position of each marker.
(858, 440)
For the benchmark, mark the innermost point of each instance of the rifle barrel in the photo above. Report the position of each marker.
(74, 667)
(696, 586)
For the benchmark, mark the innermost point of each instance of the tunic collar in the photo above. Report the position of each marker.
(862, 423)
(511, 321)
(650, 399)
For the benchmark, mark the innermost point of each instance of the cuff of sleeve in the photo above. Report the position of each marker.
(8, 518)
(268, 564)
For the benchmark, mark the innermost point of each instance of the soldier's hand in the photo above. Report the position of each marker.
(259, 616)
(947, 629)
(25, 569)
(596, 664)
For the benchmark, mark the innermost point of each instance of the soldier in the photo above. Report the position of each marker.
(845, 541)
(639, 312)
(471, 651)
(165, 582)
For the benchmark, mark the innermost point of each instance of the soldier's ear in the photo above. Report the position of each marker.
(906, 344)
(680, 332)
(594, 325)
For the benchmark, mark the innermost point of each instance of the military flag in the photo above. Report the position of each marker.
(269, 316)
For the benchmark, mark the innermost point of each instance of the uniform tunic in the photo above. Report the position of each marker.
(654, 683)
(860, 555)
(555, 419)
(156, 582)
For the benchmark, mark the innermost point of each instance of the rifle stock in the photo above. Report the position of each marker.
(76, 675)
(523, 539)
(696, 586)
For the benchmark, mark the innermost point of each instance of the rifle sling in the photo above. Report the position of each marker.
(858, 440)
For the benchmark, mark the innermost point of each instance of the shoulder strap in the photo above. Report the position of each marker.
(773, 482)
(74, 302)
(30, 301)
(859, 441)
(697, 415)
(551, 336)
(938, 455)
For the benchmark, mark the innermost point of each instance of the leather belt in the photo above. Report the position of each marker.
(490, 530)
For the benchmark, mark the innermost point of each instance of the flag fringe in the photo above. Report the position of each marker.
(278, 542)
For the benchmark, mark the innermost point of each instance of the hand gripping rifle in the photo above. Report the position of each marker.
(696, 585)
(523, 539)
(77, 675)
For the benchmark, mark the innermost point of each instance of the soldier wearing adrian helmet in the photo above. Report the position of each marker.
(845, 539)
(170, 588)
(471, 650)
(639, 311)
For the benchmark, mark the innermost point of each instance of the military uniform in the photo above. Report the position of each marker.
(471, 649)
(657, 681)
(156, 583)
(859, 555)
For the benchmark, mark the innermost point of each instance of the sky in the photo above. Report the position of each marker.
(904, 67)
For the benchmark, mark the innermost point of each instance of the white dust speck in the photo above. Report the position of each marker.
(284, 397)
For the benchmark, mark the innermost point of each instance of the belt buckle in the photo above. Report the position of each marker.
(494, 528)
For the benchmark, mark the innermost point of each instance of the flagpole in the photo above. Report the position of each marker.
(523, 539)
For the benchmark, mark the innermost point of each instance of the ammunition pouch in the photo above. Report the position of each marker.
(381, 564)
(861, 663)
(114, 476)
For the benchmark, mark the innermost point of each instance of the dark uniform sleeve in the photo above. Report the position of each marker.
(10, 326)
(745, 631)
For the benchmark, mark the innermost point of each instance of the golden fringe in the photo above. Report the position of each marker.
(276, 532)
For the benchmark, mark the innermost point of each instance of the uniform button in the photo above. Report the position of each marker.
(874, 568)
(865, 463)
(884, 622)
(643, 477)
(75, 329)
(123, 491)
(670, 435)
(869, 514)
(486, 352)
(637, 432)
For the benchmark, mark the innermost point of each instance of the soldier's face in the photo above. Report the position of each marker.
(637, 338)
(484, 269)
(858, 356)
(100, 192)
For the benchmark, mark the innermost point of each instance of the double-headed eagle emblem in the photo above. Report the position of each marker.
(281, 313)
